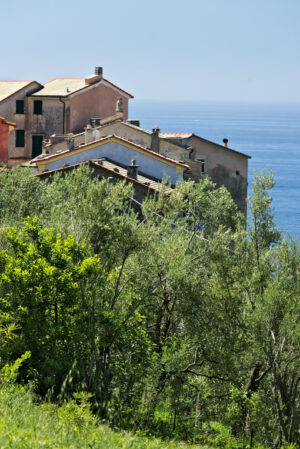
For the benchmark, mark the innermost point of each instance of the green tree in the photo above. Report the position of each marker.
(43, 277)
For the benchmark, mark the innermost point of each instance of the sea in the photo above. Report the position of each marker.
(268, 132)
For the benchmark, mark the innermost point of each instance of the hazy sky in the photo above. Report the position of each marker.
(161, 49)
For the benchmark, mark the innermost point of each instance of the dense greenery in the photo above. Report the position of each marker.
(27, 424)
(173, 318)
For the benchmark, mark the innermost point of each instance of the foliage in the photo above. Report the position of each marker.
(24, 424)
(173, 319)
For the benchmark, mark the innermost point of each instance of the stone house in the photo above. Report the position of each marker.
(103, 168)
(61, 106)
(119, 151)
(223, 165)
(14, 107)
(114, 158)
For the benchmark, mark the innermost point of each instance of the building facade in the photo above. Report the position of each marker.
(119, 151)
(223, 165)
(61, 106)
(14, 107)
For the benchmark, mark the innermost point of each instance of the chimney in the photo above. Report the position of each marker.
(70, 142)
(95, 78)
(225, 142)
(88, 134)
(132, 170)
(95, 121)
(45, 145)
(98, 71)
(155, 139)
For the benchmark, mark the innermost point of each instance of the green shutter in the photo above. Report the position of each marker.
(38, 107)
(20, 138)
(19, 106)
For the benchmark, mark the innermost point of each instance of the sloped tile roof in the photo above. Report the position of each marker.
(175, 135)
(8, 88)
(113, 168)
(6, 122)
(64, 87)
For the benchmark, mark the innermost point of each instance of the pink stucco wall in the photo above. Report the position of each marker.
(97, 101)
(5, 129)
(219, 156)
(225, 167)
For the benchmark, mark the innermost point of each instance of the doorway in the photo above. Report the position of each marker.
(37, 144)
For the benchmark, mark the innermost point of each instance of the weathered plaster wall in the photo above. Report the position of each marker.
(50, 121)
(123, 155)
(143, 138)
(225, 167)
(218, 155)
(97, 101)
(194, 171)
(8, 110)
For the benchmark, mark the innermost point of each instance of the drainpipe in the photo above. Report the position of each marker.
(190, 150)
(64, 110)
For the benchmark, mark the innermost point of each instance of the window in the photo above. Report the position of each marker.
(38, 107)
(204, 167)
(20, 138)
(19, 106)
(37, 144)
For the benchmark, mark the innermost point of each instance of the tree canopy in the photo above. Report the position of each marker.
(176, 319)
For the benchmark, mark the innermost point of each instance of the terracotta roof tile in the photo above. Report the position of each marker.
(64, 87)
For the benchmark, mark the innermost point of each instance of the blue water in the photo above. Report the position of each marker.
(269, 133)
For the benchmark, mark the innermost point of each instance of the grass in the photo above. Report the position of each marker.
(26, 424)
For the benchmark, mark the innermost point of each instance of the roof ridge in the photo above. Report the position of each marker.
(188, 132)
(17, 81)
(18, 89)
(53, 79)
(117, 87)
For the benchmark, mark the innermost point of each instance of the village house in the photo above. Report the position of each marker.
(63, 105)
(115, 158)
(104, 168)
(14, 107)
(222, 164)
(70, 113)
(120, 151)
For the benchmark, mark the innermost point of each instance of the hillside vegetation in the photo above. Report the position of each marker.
(171, 319)
(26, 425)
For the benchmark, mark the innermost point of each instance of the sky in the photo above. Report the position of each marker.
(203, 50)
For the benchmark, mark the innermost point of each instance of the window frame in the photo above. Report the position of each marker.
(203, 160)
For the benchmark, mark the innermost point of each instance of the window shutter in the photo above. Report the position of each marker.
(20, 138)
(38, 107)
(19, 106)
